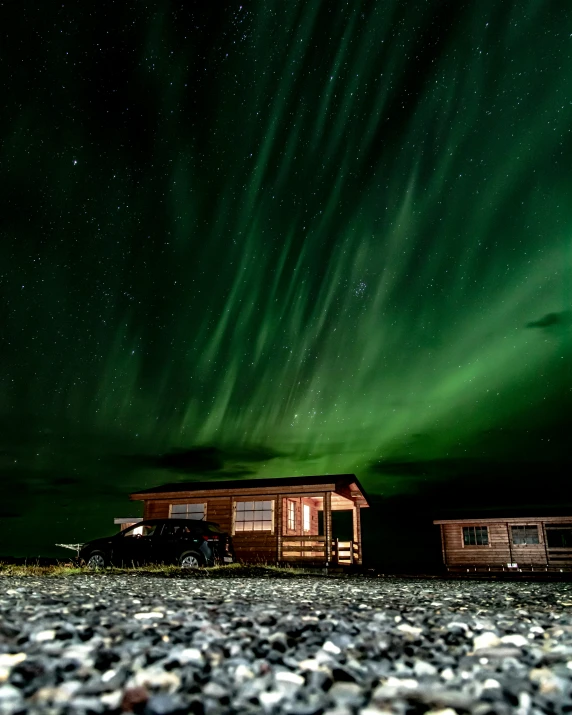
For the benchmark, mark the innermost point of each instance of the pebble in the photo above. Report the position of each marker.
(516, 640)
(151, 646)
(486, 640)
(11, 699)
(422, 667)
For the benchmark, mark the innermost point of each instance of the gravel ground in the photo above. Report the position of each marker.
(100, 644)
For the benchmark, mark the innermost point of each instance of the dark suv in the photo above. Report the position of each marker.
(186, 542)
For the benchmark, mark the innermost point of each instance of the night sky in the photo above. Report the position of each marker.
(265, 238)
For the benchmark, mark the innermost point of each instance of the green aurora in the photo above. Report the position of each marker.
(284, 238)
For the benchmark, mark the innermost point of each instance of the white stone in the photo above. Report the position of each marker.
(410, 630)
(488, 639)
(10, 698)
(42, 636)
(286, 676)
(516, 640)
(524, 703)
(443, 711)
(457, 624)
(9, 660)
(491, 683)
(447, 674)
(242, 674)
(191, 656)
(310, 664)
(394, 687)
(405, 683)
(422, 667)
(148, 615)
(270, 698)
(332, 648)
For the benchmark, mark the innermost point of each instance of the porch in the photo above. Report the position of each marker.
(306, 532)
(313, 549)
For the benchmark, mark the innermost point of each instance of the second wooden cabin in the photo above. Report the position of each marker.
(280, 520)
(524, 544)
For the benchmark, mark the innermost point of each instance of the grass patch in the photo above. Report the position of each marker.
(68, 568)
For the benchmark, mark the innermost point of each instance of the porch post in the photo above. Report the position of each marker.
(328, 525)
(278, 527)
(357, 531)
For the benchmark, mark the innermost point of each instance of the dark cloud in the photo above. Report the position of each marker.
(552, 320)
(230, 462)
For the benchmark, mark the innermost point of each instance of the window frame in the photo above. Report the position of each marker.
(253, 500)
(525, 527)
(177, 515)
(290, 515)
(475, 546)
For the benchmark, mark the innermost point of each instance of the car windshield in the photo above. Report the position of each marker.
(214, 529)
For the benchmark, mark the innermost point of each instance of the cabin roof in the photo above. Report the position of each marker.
(240, 485)
(508, 520)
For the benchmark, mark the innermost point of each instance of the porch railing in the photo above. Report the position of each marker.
(306, 548)
(345, 553)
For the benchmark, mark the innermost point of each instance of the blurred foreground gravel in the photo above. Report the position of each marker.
(100, 644)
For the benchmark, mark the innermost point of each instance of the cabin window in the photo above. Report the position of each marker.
(559, 536)
(306, 514)
(475, 536)
(188, 511)
(525, 534)
(291, 515)
(253, 516)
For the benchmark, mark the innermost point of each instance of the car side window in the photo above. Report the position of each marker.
(177, 531)
(140, 531)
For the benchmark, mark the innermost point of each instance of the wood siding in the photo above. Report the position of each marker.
(501, 549)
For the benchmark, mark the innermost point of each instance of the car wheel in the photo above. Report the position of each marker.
(96, 560)
(190, 560)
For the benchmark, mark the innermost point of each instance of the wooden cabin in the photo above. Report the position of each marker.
(518, 544)
(280, 520)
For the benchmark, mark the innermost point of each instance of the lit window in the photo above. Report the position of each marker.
(291, 516)
(525, 535)
(306, 517)
(253, 516)
(187, 511)
(475, 536)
